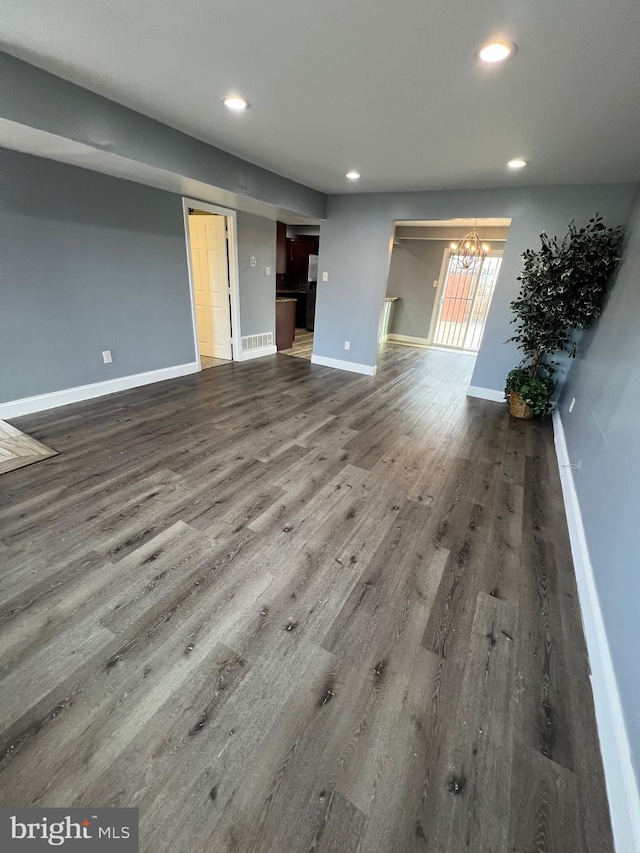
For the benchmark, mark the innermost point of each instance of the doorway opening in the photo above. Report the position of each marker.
(211, 255)
(432, 300)
(296, 282)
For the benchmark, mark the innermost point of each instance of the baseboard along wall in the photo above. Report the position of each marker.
(622, 787)
(407, 339)
(485, 393)
(260, 352)
(351, 366)
(42, 402)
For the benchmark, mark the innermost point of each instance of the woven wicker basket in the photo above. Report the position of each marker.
(518, 408)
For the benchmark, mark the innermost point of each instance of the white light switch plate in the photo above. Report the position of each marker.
(325, 276)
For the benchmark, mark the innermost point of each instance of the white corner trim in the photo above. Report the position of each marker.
(351, 366)
(485, 393)
(407, 339)
(622, 788)
(256, 353)
(41, 402)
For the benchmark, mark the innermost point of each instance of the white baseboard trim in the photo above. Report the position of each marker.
(408, 339)
(41, 402)
(260, 352)
(485, 393)
(622, 788)
(351, 366)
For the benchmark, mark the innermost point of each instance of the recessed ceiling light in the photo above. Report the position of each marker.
(236, 103)
(517, 163)
(353, 175)
(497, 51)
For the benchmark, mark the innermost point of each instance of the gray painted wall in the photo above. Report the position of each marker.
(356, 246)
(257, 238)
(88, 263)
(602, 436)
(414, 266)
(40, 100)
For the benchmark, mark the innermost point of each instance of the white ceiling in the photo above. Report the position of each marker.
(392, 89)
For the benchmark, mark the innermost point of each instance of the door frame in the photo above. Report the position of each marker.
(444, 269)
(231, 221)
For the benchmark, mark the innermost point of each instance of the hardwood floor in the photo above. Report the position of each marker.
(280, 607)
(302, 345)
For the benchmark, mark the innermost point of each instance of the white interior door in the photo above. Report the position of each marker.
(210, 271)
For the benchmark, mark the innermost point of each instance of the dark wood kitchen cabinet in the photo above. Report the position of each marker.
(298, 251)
(285, 322)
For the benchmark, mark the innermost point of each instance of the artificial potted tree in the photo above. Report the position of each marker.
(562, 290)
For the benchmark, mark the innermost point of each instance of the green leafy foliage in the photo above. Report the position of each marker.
(562, 289)
(535, 391)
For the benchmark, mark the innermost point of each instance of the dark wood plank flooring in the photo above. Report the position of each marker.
(285, 608)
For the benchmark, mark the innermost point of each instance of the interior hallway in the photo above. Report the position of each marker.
(280, 607)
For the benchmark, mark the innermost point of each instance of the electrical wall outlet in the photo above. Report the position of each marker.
(435, 282)
(572, 404)
(347, 344)
(268, 271)
(106, 356)
(325, 276)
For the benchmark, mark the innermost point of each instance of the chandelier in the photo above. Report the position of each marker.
(469, 252)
